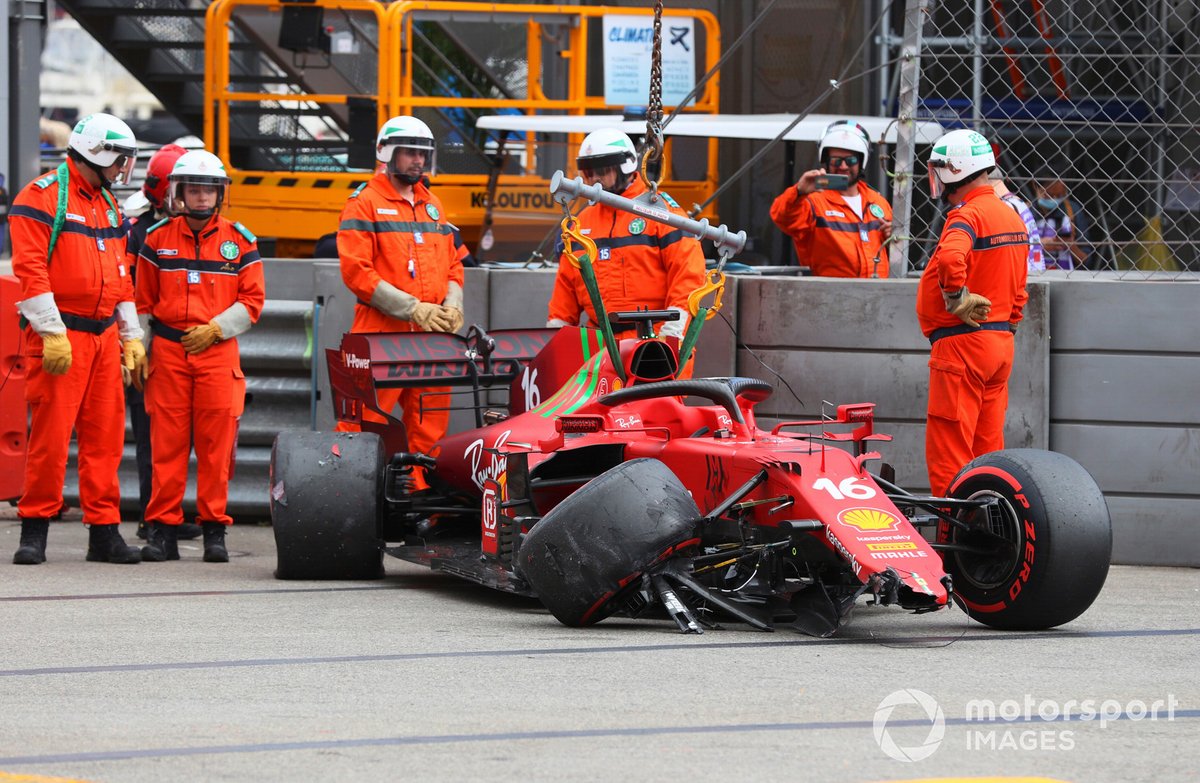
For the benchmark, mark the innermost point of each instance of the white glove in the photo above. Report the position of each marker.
(233, 320)
(556, 323)
(42, 314)
(128, 325)
(453, 305)
(391, 300)
(675, 329)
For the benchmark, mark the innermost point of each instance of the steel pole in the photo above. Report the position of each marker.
(566, 190)
(910, 80)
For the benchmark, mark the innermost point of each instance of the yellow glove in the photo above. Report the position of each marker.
(135, 364)
(968, 307)
(431, 317)
(126, 375)
(456, 317)
(56, 353)
(135, 354)
(200, 338)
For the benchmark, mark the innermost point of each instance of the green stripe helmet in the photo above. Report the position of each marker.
(957, 156)
(103, 140)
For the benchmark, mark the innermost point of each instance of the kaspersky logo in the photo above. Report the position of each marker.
(868, 519)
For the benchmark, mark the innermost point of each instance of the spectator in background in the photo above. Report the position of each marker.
(1036, 262)
(1061, 226)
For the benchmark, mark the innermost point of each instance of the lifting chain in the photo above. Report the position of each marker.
(652, 147)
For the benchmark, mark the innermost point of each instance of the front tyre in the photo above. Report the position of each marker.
(590, 550)
(326, 493)
(1059, 536)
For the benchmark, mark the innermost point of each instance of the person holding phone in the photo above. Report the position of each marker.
(838, 223)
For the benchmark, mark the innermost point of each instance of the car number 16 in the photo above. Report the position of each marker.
(848, 488)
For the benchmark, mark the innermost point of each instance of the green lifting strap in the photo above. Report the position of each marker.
(588, 273)
(690, 337)
(60, 216)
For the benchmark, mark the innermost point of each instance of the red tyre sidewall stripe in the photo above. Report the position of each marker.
(1011, 481)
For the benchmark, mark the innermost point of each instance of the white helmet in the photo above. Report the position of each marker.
(102, 140)
(607, 147)
(958, 155)
(846, 135)
(197, 167)
(404, 131)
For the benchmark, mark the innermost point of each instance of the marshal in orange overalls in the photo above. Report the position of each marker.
(187, 279)
(984, 247)
(384, 236)
(830, 238)
(88, 277)
(641, 264)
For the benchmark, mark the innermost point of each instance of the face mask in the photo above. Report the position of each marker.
(1048, 203)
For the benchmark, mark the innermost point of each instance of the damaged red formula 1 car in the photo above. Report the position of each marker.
(600, 490)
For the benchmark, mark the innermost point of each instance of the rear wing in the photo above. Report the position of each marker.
(365, 363)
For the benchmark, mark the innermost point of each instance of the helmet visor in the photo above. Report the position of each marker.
(124, 156)
(125, 173)
(936, 186)
(598, 164)
(176, 203)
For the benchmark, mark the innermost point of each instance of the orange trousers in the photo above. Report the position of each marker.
(423, 429)
(193, 399)
(968, 397)
(90, 400)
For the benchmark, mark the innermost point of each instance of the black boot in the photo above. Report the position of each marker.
(105, 545)
(214, 543)
(32, 549)
(162, 543)
(187, 531)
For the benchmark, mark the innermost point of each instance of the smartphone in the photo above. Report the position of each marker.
(833, 182)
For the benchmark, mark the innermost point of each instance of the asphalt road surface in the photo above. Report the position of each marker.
(196, 671)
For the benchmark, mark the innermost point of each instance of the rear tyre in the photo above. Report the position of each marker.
(326, 492)
(1056, 520)
(588, 553)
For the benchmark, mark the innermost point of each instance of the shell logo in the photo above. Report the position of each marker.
(868, 519)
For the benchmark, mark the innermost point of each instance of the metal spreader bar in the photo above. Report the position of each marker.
(565, 190)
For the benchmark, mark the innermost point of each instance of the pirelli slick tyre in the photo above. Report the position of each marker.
(1057, 521)
(326, 492)
(586, 554)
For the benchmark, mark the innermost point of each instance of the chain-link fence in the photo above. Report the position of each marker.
(1092, 106)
